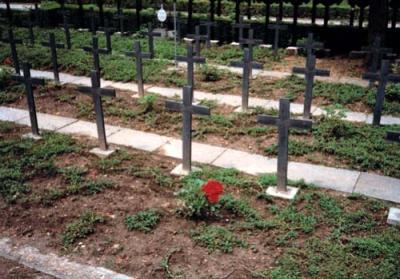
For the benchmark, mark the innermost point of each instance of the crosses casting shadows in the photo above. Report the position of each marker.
(28, 81)
(53, 51)
(310, 72)
(247, 64)
(187, 109)
(95, 50)
(137, 53)
(310, 45)
(150, 35)
(198, 38)
(393, 136)
(277, 28)
(190, 60)
(240, 27)
(96, 92)
(383, 76)
(14, 55)
(284, 123)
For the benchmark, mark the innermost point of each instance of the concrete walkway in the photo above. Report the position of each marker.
(222, 99)
(18, 6)
(348, 181)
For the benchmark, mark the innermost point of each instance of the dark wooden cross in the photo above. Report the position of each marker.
(95, 50)
(310, 72)
(198, 38)
(14, 55)
(277, 28)
(120, 17)
(67, 33)
(374, 54)
(108, 31)
(179, 22)
(9, 11)
(310, 45)
(97, 92)
(208, 25)
(393, 136)
(240, 27)
(250, 42)
(284, 123)
(150, 35)
(53, 50)
(187, 109)
(137, 53)
(31, 35)
(100, 4)
(28, 81)
(37, 15)
(190, 60)
(383, 77)
(92, 21)
(247, 64)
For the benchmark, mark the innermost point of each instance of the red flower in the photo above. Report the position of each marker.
(212, 190)
(7, 61)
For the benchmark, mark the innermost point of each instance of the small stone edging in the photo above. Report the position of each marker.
(52, 264)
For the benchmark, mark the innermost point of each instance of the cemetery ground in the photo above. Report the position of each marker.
(129, 214)
(9, 269)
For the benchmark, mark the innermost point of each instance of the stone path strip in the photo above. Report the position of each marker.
(343, 180)
(223, 99)
(52, 264)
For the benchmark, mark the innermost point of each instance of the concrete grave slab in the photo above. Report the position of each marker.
(356, 116)
(137, 139)
(178, 171)
(385, 120)
(42, 74)
(394, 216)
(331, 178)
(31, 136)
(85, 128)
(48, 121)
(166, 92)
(12, 114)
(378, 186)
(290, 194)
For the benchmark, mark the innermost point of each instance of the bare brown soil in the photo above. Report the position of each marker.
(12, 270)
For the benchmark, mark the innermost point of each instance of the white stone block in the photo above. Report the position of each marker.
(102, 153)
(31, 136)
(178, 171)
(394, 216)
(290, 194)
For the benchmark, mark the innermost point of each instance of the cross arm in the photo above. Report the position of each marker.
(201, 110)
(198, 59)
(181, 58)
(371, 76)
(34, 81)
(103, 50)
(394, 78)
(300, 123)
(87, 48)
(152, 33)
(267, 120)
(173, 105)
(393, 136)
(358, 54)
(322, 72)
(298, 70)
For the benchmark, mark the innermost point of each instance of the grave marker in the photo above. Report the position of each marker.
(250, 42)
(53, 51)
(95, 50)
(277, 27)
(208, 25)
(151, 34)
(240, 27)
(28, 81)
(31, 35)
(67, 33)
(187, 109)
(96, 92)
(190, 60)
(137, 53)
(247, 64)
(393, 136)
(92, 21)
(14, 55)
(383, 77)
(284, 123)
(310, 45)
(197, 39)
(309, 72)
(120, 17)
(108, 31)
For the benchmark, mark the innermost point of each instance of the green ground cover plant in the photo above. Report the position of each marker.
(144, 221)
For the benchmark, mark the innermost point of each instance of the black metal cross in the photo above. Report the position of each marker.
(393, 136)
(247, 64)
(208, 25)
(198, 38)
(374, 53)
(53, 50)
(179, 22)
(383, 76)
(250, 42)
(92, 18)
(97, 92)
(310, 72)
(190, 60)
(120, 17)
(108, 31)
(95, 50)
(151, 34)
(31, 35)
(284, 123)
(310, 45)
(137, 53)
(277, 28)
(187, 109)
(240, 27)
(67, 33)
(28, 81)
(14, 55)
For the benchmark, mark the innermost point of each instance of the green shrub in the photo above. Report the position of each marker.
(210, 73)
(143, 221)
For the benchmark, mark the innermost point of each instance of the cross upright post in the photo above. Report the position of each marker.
(284, 123)
(67, 33)
(137, 53)
(92, 18)
(31, 34)
(277, 28)
(28, 81)
(190, 60)
(179, 22)
(53, 50)
(208, 25)
(187, 109)
(383, 77)
(310, 45)
(198, 38)
(393, 136)
(37, 15)
(95, 50)
(250, 42)
(151, 34)
(108, 32)
(310, 71)
(120, 17)
(96, 92)
(247, 64)
(14, 55)
(240, 27)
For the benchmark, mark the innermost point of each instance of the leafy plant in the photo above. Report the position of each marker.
(143, 221)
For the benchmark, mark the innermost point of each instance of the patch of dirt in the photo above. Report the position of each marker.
(12, 270)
